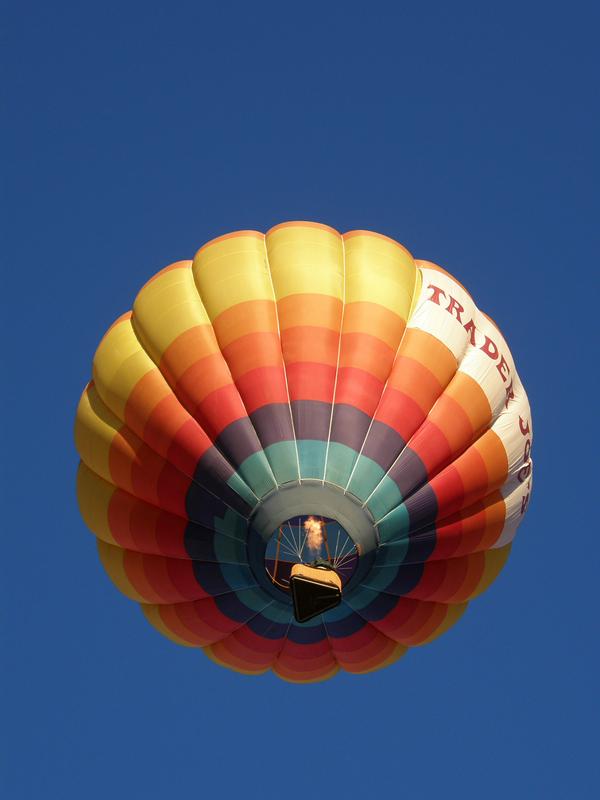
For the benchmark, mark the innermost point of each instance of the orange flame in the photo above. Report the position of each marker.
(314, 534)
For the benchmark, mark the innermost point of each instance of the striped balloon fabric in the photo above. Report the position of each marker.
(303, 372)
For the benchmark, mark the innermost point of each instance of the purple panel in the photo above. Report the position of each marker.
(238, 441)
(349, 426)
(422, 508)
(273, 423)
(380, 607)
(265, 627)
(383, 445)
(346, 626)
(405, 579)
(311, 419)
(202, 507)
(408, 472)
(306, 634)
(212, 473)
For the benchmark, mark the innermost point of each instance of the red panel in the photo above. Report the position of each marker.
(472, 529)
(142, 472)
(310, 381)
(262, 386)
(368, 655)
(220, 409)
(359, 389)
(400, 412)
(204, 619)
(305, 662)
(463, 482)
(432, 447)
(183, 446)
(135, 525)
(449, 490)
(248, 649)
(162, 580)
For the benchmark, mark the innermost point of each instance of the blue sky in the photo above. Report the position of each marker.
(133, 133)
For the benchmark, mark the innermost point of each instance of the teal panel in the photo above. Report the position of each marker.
(311, 453)
(340, 461)
(256, 471)
(264, 604)
(359, 598)
(337, 614)
(366, 477)
(283, 459)
(278, 612)
(379, 578)
(231, 524)
(315, 622)
(392, 553)
(240, 487)
(386, 497)
(256, 599)
(229, 550)
(238, 576)
(395, 525)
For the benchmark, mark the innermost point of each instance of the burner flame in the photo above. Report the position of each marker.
(314, 534)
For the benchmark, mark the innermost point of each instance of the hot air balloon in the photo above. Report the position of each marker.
(303, 451)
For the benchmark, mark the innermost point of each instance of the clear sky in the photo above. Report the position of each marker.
(133, 133)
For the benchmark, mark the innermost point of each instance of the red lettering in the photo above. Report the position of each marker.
(455, 306)
(510, 395)
(470, 329)
(436, 293)
(489, 348)
(524, 472)
(503, 368)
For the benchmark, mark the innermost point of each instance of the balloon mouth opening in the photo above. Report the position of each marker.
(310, 525)
(310, 547)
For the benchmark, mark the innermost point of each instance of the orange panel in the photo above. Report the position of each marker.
(253, 351)
(376, 320)
(416, 380)
(310, 309)
(366, 352)
(310, 343)
(188, 349)
(244, 318)
(470, 396)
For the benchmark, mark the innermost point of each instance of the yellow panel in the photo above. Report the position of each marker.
(95, 428)
(416, 292)
(112, 561)
(494, 562)
(119, 363)
(315, 679)
(166, 307)
(306, 258)
(210, 653)
(397, 653)
(379, 270)
(232, 270)
(94, 496)
(152, 614)
(453, 614)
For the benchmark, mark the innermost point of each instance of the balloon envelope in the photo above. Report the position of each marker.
(295, 376)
